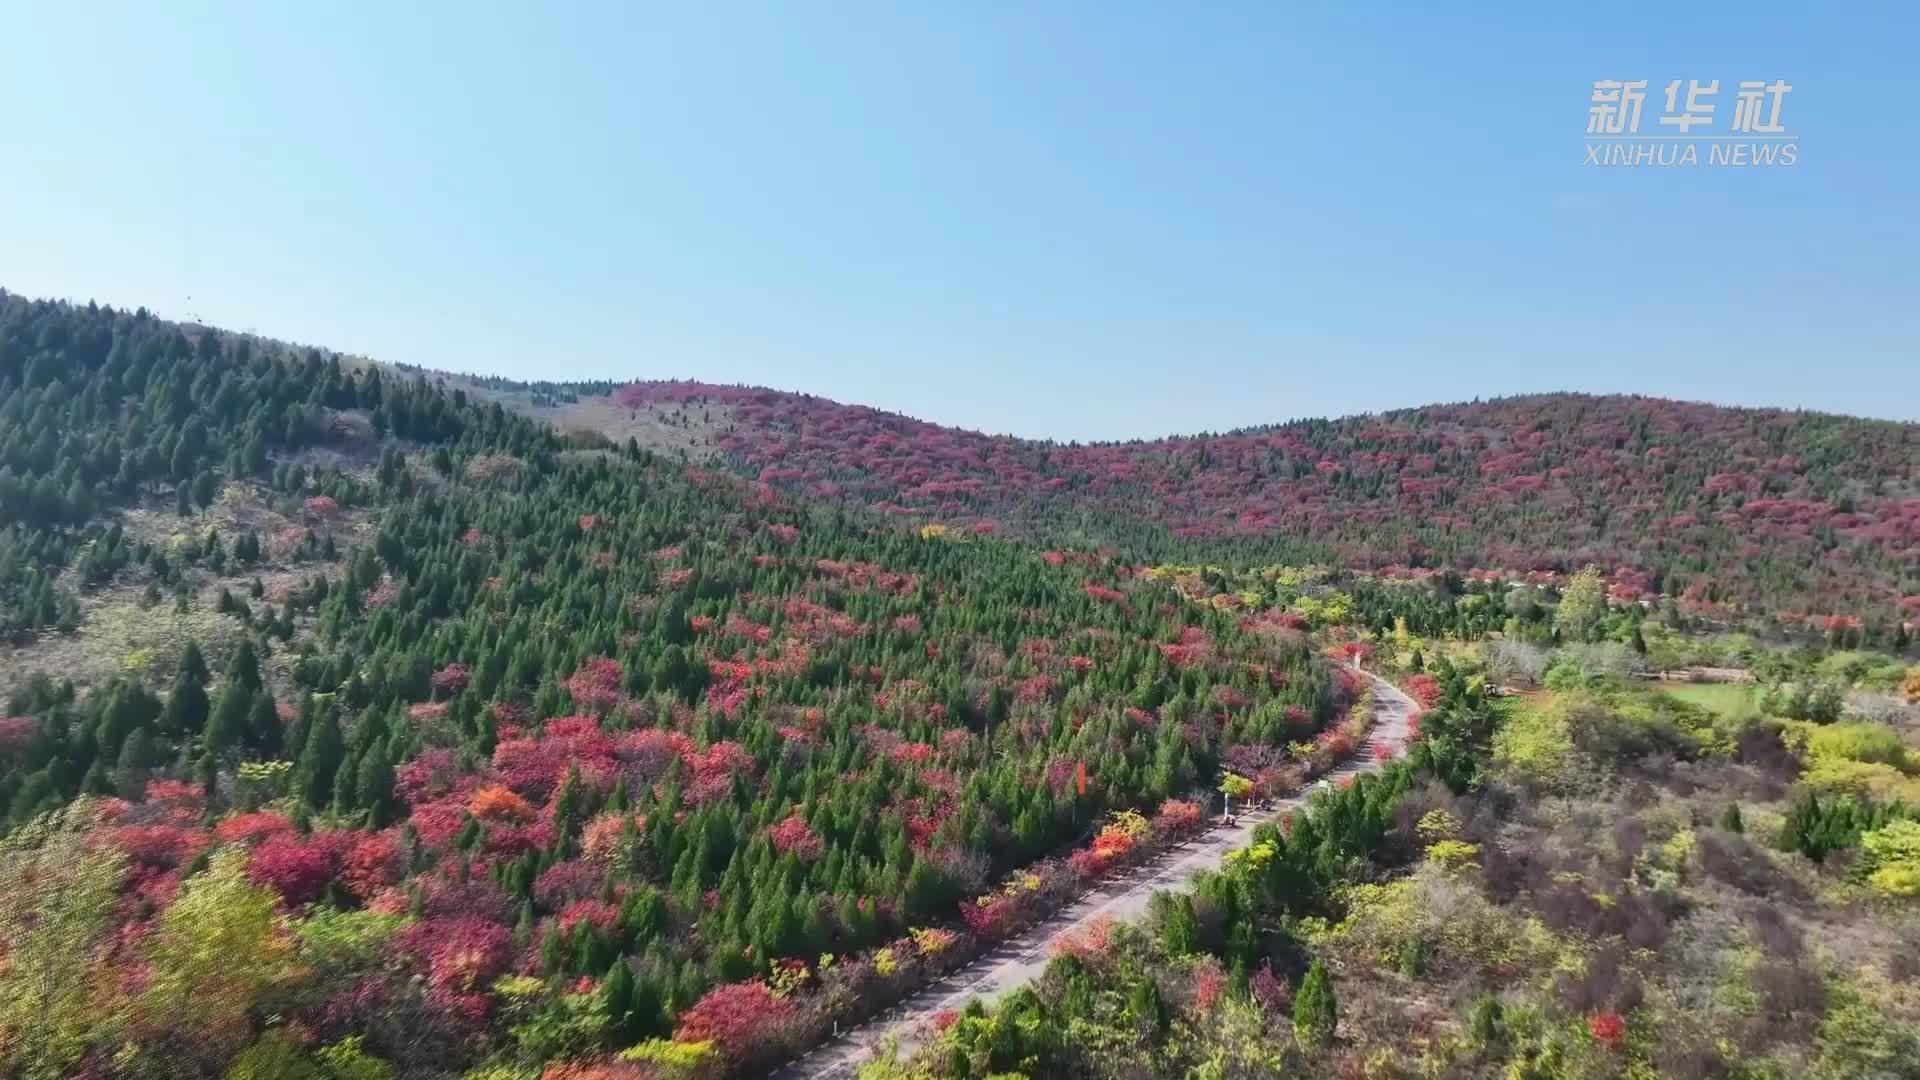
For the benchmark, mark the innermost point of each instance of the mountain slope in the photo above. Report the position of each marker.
(1804, 513)
(459, 743)
(334, 695)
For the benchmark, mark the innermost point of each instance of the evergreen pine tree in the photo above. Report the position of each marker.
(244, 668)
(263, 726)
(227, 725)
(136, 754)
(569, 803)
(1315, 1012)
(1146, 1006)
(295, 740)
(1180, 934)
(375, 788)
(1730, 819)
(320, 759)
(617, 995)
(346, 781)
(553, 951)
(1487, 1022)
(187, 707)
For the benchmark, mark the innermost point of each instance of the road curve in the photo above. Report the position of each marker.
(1021, 958)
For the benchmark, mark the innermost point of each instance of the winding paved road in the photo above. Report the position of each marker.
(1023, 957)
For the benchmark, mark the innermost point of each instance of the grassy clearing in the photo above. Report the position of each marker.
(122, 635)
(1728, 700)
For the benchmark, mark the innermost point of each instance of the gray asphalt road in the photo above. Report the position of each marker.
(1019, 959)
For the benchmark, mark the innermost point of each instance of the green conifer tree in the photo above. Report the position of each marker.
(1315, 1011)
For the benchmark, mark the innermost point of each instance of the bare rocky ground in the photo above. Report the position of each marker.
(680, 431)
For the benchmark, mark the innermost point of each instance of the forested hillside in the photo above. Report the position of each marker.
(1802, 515)
(358, 724)
(379, 723)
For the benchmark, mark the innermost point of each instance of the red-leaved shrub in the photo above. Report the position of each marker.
(745, 1021)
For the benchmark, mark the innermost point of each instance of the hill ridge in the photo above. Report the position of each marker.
(1818, 509)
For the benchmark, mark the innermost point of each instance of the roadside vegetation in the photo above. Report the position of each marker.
(1625, 878)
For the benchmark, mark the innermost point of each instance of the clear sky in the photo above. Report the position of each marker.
(1074, 220)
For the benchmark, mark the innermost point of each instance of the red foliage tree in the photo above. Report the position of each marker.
(1608, 1028)
(177, 798)
(450, 680)
(565, 882)
(296, 867)
(601, 915)
(495, 803)
(597, 684)
(1088, 943)
(373, 863)
(795, 835)
(15, 733)
(459, 953)
(745, 1021)
(1209, 982)
(714, 769)
(1424, 689)
(1177, 817)
(161, 847)
(1270, 991)
(247, 828)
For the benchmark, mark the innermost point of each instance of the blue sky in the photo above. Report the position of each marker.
(1067, 220)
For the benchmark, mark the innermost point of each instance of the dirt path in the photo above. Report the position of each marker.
(1020, 959)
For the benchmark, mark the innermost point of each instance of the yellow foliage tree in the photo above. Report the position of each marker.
(1893, 853)
(1452, 854)
(219, 949)
(1437, 825)
(1132, 824)
(57, 895)
(1583, 603)
(676, 1060)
